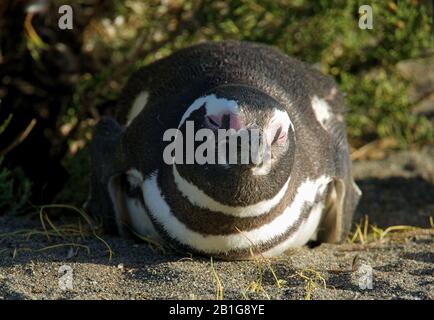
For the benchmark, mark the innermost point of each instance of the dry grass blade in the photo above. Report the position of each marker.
(41, 218)
(23, 135)
(313, 279)
(219, 287)
(374, 150)
(52, 225)
(66, 231)
(19, 232)
(279, 282)
(256, 286)
(60, 245)
(369, 234)
(86, 218)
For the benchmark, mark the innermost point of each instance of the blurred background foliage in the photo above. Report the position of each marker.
(56, 84)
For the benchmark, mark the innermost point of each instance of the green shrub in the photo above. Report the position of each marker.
(14, 190)
(125, 35)
(325, 33)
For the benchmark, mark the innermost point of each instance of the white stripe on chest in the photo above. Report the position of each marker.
(162, 213)
(137, 215)
(139, 219)
(198, 198)
(304, 233)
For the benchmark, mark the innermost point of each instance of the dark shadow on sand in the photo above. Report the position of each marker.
(396, 201)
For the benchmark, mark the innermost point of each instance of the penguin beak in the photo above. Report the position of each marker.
(253, 151)
(229, 120)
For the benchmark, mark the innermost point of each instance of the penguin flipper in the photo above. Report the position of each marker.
(342, 199)
(102, 167)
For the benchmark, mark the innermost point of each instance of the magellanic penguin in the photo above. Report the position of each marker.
(226, 210)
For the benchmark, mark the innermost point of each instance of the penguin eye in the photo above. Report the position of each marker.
(279, 136)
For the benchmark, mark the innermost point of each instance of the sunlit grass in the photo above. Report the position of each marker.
(256, 285)
(312, 279)
(366, 233)
(218, 283)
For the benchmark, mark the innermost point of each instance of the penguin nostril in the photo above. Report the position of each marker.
(213, 121)
(282, 137)
(227, 120)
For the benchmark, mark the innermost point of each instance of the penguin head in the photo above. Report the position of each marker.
(254, 145)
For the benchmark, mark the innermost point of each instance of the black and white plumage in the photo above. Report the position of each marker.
(224, 210)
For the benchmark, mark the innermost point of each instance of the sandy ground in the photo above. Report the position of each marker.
(397, 190)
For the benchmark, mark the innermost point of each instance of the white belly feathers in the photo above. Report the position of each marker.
(160, 212)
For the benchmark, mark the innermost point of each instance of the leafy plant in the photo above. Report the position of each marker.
(15, 190)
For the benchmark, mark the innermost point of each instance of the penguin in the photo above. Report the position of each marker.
(302, 191)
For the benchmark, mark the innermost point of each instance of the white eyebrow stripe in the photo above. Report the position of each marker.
(213, 105)
(283, 117)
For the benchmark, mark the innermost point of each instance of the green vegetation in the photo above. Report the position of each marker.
(324, 33)
(14, 190)
(112, 40)
(319, 32)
